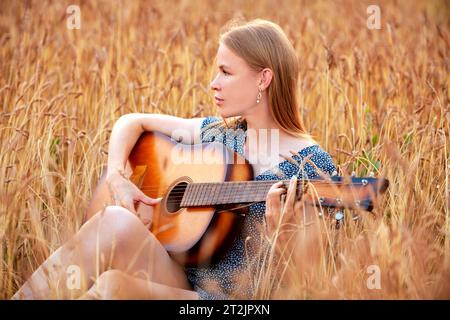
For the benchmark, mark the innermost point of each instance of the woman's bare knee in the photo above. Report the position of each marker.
(109, 285)
(118, 223)
(112, 235)
(127, 245)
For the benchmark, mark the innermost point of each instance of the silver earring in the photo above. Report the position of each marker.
(258, 97)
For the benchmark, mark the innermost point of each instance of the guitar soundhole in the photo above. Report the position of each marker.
(175, 196)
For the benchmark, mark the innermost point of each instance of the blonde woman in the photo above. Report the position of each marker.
(118, 258)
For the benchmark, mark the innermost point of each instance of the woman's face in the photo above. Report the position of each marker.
(235, 83)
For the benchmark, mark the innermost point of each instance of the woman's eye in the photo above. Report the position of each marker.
(224, 72)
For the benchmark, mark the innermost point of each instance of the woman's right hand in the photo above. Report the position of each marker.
(126, 194)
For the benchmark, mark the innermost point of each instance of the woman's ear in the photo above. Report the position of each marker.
(266, 78)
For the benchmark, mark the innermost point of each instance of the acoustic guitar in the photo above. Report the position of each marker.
(207, 189)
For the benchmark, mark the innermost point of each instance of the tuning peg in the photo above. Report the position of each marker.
(334, 173)
(371, 174)
(339, 215)
(353, 174)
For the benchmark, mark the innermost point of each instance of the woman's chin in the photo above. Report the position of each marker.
(227, 114)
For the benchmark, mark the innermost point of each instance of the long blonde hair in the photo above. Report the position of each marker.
(263, 44)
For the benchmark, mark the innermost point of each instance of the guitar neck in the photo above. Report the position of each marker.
(335, 192)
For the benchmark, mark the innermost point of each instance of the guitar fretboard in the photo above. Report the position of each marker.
(210, 194)
(334, 192)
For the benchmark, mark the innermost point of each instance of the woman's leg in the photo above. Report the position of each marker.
(115, 284)
(112, 239)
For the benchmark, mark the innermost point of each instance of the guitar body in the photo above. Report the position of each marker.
(162, 167)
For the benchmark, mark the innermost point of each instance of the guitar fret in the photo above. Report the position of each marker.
(241, 192)
(232, 193)
(223, 188)
(255, 189)
(238, 192)
(216, 194)
(184, 197)
(201, 194)
(249, 191)
(207, 196)
(261, 191)
(212, 191)
(193, 193)
(197, 195)
(224, 192)
(187, 194)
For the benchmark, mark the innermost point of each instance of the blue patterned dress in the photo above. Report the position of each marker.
(222, 272)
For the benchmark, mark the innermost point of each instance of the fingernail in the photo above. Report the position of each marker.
(159, 199)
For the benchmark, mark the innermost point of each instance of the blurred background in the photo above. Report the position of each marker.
(375, 97)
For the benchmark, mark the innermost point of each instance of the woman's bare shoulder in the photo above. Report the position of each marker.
(297, 144)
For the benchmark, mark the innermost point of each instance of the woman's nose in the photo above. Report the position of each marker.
(214, 85)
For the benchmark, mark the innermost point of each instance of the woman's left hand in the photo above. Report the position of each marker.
(277, 217)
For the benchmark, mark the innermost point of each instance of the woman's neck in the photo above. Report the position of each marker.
(260, 118)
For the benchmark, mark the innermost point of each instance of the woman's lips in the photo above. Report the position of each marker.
(218, 100)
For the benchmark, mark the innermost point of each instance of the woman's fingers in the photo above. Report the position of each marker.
(273, 205)
(274, 211)
(126, 194)
(147, 200)
(273, 202)
(290, 197)
(293, 203)
(128, 203)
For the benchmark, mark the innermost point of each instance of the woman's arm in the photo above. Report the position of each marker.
(126, 131)
(129, 128)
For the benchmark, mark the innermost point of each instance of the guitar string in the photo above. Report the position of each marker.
(259, 183)
(175, 196)
(227, 197)
(199, 192)
(180, 193)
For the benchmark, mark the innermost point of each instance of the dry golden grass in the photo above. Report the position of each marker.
(377, 100)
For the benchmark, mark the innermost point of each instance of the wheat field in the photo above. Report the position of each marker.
(376, 99)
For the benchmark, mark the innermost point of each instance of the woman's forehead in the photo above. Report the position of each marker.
(227, 58)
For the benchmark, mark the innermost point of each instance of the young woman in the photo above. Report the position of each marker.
(117, 256)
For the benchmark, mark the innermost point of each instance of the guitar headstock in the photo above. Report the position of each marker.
(347, 192)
